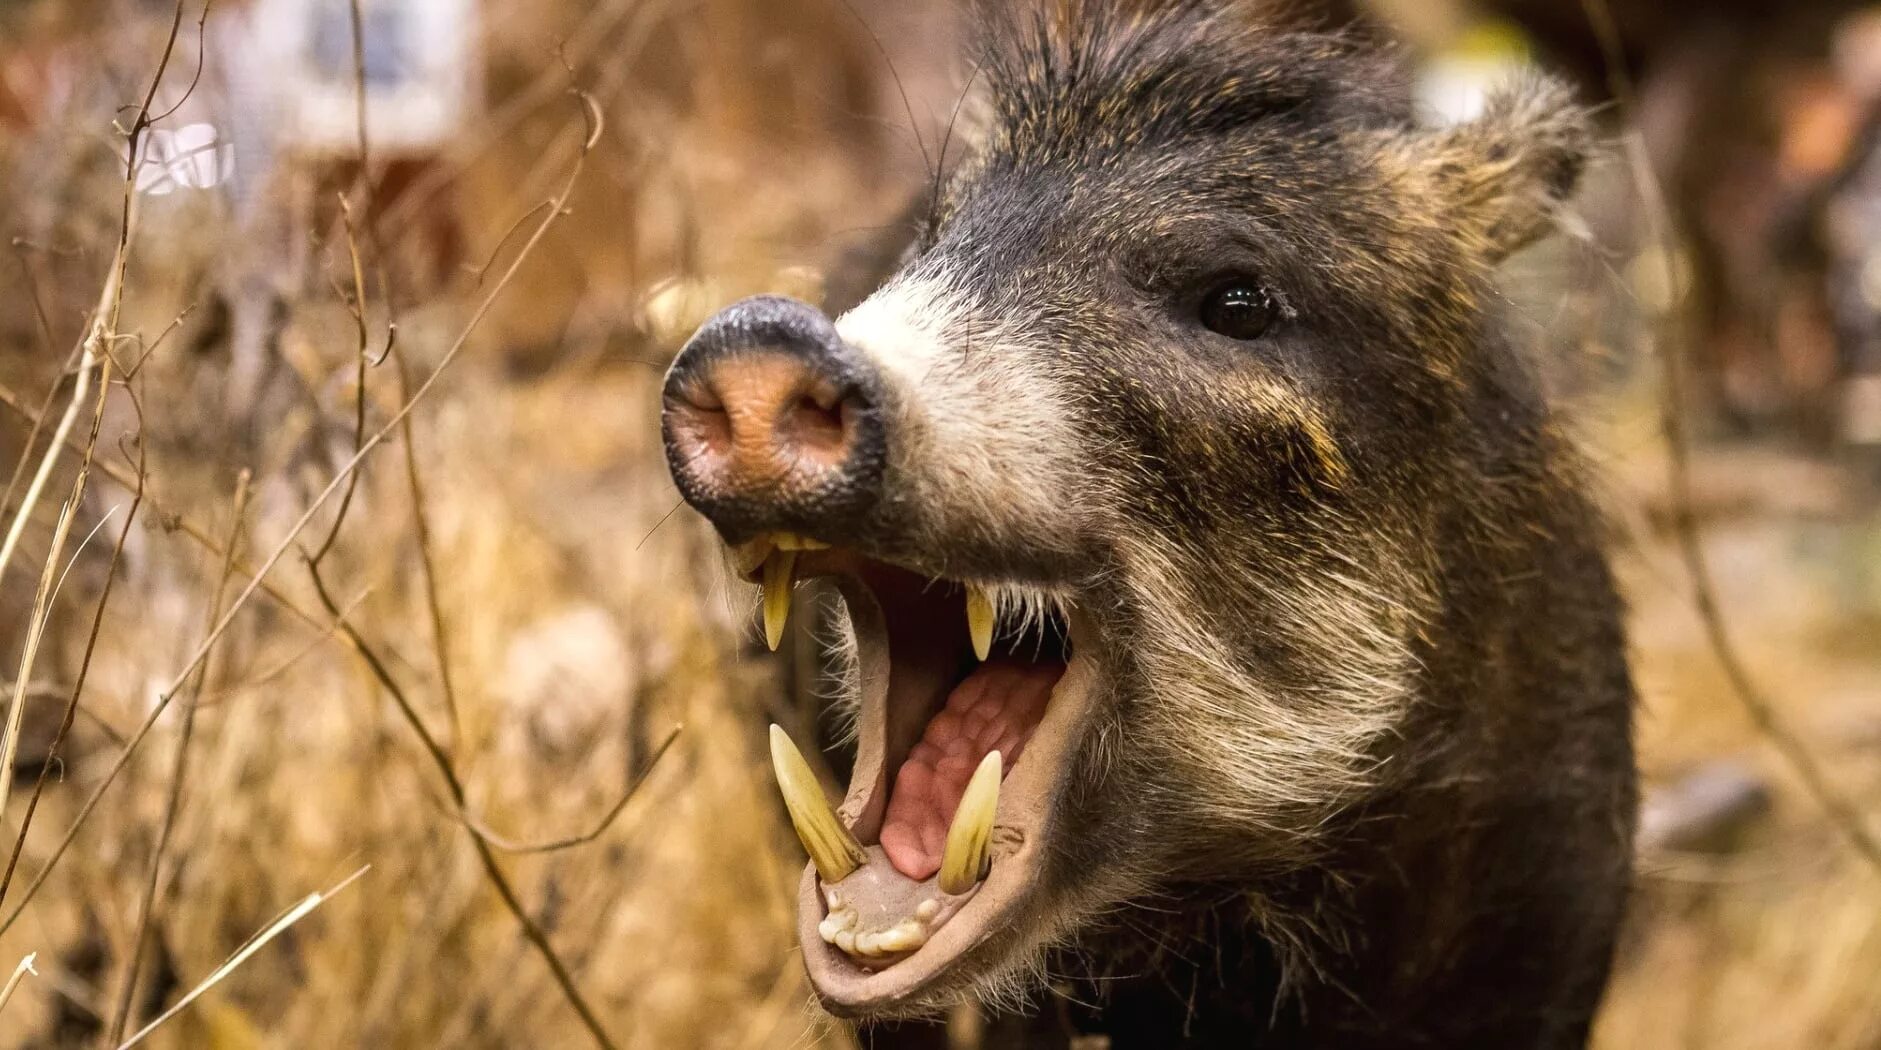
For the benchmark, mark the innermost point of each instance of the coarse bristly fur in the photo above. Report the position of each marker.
(1361, 774)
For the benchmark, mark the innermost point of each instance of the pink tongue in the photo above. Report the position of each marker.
(995, 709)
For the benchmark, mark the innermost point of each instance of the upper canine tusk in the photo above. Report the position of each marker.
(980, 620)
(965, 861)
(780, 575)
(833, 850)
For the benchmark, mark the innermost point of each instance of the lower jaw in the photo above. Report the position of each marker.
(985, 928)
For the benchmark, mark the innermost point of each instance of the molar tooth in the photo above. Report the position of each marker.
(780, 574)
(964, 862)
(900, 937)
(980, 619)
(834, 850)
(846, 941)
(927, 909)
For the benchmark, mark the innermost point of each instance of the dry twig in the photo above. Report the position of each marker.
(179, 764)
(78, 686)
(1763, 713)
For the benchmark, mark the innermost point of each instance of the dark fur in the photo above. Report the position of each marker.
(1370, 511)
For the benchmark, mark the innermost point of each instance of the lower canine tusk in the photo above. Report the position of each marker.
(833, 850)
(965, 861)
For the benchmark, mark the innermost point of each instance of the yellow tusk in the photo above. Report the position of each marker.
(833, 850)
(980, 619)
(780, 575)
(965, 861)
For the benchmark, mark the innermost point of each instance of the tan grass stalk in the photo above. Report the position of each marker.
(179, 765)
(242, 954)
(35, 630)
(172, 519)
(531, 929)
(19, 972)
(46, 462)
(42, 600)
(84, 668)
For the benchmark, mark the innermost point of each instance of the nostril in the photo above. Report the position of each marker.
(702, 397)
(700, 420)
(815, 428)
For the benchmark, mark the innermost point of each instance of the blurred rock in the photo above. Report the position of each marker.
(1707, 810)
(565, 675)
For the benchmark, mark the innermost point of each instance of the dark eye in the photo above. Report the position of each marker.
(1238, 311)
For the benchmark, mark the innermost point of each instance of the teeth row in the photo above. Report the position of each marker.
(838, 928)
(962, 867)
(833, 850)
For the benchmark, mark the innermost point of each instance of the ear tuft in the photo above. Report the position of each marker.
(1506, 174)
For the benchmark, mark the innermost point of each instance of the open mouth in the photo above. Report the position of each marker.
(966, 723)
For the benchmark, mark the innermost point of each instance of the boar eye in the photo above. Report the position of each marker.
(1238, 311)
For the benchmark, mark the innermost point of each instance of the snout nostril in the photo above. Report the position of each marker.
(770, 418)
(702, 397)
(816, 429)
(700, 420)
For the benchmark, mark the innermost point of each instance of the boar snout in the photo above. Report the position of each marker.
(772, 423)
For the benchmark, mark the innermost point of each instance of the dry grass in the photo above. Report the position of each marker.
(580, 619)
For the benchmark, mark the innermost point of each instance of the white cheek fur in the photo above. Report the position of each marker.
(981, 441)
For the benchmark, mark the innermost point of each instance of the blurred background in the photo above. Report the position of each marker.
(465, 654)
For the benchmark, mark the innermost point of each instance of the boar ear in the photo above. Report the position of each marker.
(1503, 177)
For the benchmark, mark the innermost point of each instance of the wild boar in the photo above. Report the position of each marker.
(1229, 634)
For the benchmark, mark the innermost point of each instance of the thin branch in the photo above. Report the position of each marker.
(78, 687)
(1763, 713)
(360, 352)
(168, 330)
(591, 118)
(171, 520)
(508, 845)
(179, 765)
(427, 565)
(202, 56)
(485, 854)
(42, 611)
